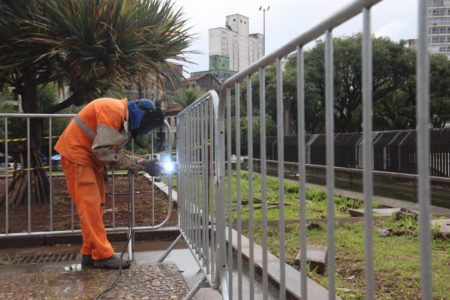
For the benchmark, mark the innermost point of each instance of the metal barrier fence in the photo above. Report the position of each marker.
(200, 196)
(201, 218)
(25, 218)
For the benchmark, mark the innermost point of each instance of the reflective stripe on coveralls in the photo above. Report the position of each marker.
(85, 128)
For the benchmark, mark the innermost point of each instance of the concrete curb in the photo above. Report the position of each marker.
(293, 286)
(164, 234)
(315, 290)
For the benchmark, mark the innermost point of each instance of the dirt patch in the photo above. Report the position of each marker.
(149, 211)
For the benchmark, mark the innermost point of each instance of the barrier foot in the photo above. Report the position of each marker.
(201, 284)
(167, 252)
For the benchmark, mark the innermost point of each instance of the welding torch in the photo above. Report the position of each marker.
(165, 166)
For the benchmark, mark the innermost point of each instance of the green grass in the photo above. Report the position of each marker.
(316, 205)
(396, 257)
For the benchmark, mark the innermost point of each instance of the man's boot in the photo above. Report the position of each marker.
(113, 262)
(86, 260)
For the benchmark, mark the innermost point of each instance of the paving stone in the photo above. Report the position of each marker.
(383, 232)
(443, 225)
(316, 257)
(377, 212)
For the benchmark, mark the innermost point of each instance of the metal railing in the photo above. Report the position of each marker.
(201, 218)
(27, 226)
(394, 150)
(200, 196)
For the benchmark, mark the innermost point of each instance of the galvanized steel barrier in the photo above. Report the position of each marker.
(28, 229)
(201, 216)
(204, 205)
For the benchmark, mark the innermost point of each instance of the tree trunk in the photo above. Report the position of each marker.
(39, 184)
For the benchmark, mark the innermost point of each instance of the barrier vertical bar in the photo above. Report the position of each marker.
(329, 124)
(204, 185)
(29, 175)
(368, 152)
(237, 88)
(205, 119)
(130, 233)
(181, 148)
(50, 165)
(186, 178)
(192, 183)
(153, 181)
(179, 158)
(262, 118)
(280, 158)
(133, 212)
(302, 169)
(219, 156)
(196, 179)
(189, 179)
(250, 186)
(200, 207)
(230, 195)
(72, 216)
(6, 179)
(213, 206)
(423, 151)
(113, 198)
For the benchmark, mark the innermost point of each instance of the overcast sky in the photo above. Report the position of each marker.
(287, 19)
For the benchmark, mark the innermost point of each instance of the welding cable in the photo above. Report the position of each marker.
(120, 271)
(116, 281)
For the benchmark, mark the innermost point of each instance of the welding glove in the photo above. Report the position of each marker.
(152, 167)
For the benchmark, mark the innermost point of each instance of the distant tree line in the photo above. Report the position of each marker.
(394, 87)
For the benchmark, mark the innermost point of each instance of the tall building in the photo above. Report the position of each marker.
(439, 27)
(233, 48)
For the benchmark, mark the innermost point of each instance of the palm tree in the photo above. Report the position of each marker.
(91, 46)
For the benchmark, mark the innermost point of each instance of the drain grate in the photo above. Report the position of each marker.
(38, 258)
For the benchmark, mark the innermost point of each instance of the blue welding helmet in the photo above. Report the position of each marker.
(144, 117)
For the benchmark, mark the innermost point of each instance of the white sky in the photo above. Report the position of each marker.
(287, 19)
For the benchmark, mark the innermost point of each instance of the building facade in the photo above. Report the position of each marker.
(233, 48)
(439, 27)
(206, 81)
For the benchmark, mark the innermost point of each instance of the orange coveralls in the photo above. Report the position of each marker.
(93, 138)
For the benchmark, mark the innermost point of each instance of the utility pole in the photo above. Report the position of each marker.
(264, 9)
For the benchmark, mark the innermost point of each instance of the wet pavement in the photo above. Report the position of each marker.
(69, 280)
(162, 281)
(146, 279)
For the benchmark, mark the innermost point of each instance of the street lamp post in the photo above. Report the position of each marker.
(264, 9)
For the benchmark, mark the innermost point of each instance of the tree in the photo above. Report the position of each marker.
(186, 96)
(440, 91)
(88, 45)
(394, 86)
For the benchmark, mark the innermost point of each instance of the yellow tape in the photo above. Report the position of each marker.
(27, 169)
(24, 139)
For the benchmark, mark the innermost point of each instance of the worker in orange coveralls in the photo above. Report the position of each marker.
(93, 138)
